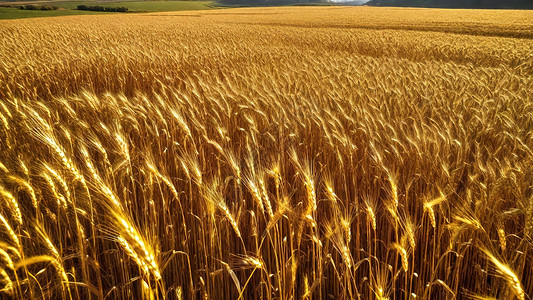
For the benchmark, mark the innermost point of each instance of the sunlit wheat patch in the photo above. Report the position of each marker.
(273, 153)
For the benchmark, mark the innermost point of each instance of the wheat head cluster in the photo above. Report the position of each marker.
(281, 153)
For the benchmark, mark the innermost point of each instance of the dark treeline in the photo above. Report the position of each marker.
(38, 7)
(102, 8)
(456, 3)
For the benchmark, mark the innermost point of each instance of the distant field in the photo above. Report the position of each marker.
(144, 6)
(69, 7)
(291, 153)
(14, 13)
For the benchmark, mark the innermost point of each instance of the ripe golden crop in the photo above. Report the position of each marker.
(275, 153)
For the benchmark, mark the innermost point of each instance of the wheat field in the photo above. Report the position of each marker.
(268, 153)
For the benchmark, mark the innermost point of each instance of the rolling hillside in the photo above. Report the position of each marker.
(455, 3)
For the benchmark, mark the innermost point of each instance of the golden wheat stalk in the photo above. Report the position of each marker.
(12, 203)
(506, 272)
